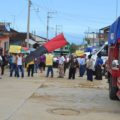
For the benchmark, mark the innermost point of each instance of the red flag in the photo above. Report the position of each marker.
(55, 43)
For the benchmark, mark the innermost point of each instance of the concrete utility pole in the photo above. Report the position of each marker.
(28, 22)
(93, 38)
(49, 15)
(58, 28)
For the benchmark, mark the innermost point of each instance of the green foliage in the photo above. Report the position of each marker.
(73, 47)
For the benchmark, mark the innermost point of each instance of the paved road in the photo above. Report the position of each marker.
(55, 99)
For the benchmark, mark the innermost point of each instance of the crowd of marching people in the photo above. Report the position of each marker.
(81, 65)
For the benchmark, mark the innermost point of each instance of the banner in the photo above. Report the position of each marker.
(79, 53)
(15, 49)
(49, 59)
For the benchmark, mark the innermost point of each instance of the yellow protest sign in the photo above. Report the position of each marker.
(15, 49)
(79, 53)
(49, 59)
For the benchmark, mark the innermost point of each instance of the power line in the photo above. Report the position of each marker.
(72, 17)
(37, 11)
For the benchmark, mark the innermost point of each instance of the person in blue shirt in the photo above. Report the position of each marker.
(82, 63)
(98, 67)
(10, 61)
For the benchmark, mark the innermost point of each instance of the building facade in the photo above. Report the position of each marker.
(19, 38)
(104, 34)
(4, 36)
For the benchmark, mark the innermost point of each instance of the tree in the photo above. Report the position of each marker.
(73, 47)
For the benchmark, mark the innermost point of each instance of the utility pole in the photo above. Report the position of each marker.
(87, 36)
(58, 28)
(93, 38)
(49, 15)
(28, 22)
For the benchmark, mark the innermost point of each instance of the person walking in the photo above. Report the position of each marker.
(42, 63)
(30, 68)
(49, 64)
(10, 61)
(1, 62)
(82, 65)
(3, 65)
(72, 69)
(98, 67)
(65, 64)
(20, 65)
(61, 66)
(89, 66)
(13, 65)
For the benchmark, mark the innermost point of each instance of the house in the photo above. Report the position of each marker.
(40, 40)
(103, 34)
(4, 36)
(19, 38)
(92, 39)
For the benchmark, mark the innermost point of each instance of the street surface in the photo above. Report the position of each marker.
(55, 99)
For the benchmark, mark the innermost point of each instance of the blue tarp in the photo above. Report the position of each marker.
(114, 33)
(90, 49)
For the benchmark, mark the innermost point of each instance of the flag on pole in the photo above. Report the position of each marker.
(53, 44)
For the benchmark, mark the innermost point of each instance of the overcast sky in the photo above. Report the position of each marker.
(74, 17)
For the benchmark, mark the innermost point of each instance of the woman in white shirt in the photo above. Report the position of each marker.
(20, 65)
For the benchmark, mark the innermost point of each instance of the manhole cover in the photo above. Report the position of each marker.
(65, 111)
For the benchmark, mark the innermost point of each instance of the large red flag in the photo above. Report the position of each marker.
(55, 43)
